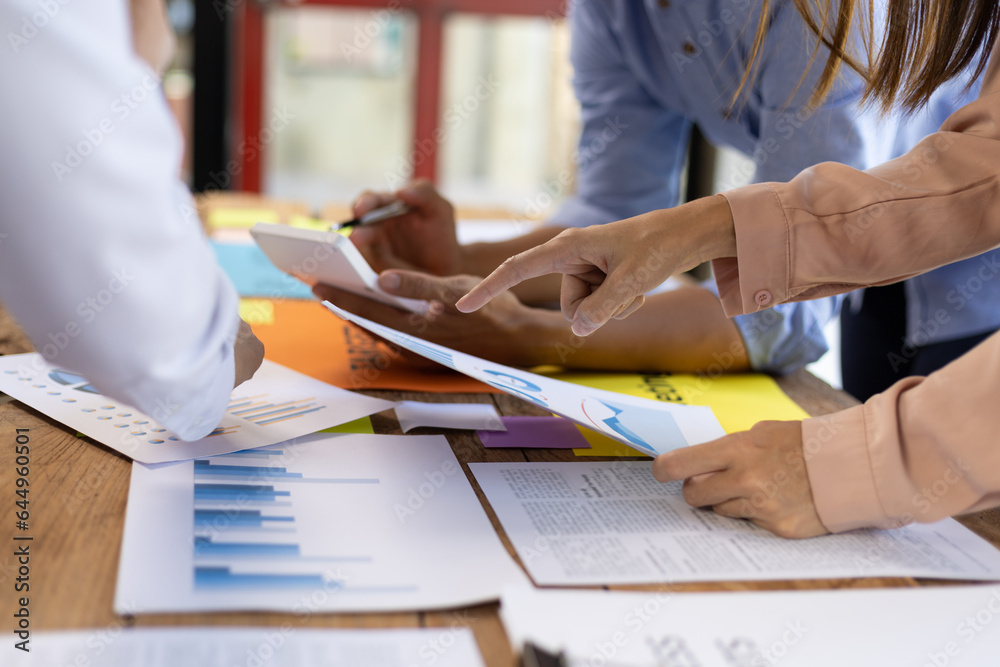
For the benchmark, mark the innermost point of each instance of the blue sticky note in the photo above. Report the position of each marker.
(253, 274)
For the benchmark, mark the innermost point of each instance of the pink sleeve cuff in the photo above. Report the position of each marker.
(759, 277)
(840, 473)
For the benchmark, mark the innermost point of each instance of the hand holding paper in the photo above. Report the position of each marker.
(758, 475)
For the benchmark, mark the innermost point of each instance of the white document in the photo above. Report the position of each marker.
(331, 523)
(278, 404)
(285, 646)
(470, 416)
(923, 627)
(611, 522)
(649, 426)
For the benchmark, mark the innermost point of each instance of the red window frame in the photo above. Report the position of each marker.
(248, 71)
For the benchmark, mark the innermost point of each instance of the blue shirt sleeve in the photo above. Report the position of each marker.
(632, 149)
(786, 337)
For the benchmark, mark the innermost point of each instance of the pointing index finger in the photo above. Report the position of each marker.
(538, 261)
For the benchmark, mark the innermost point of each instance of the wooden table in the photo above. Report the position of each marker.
(77, 502)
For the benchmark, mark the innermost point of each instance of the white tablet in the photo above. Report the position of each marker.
(325, 257)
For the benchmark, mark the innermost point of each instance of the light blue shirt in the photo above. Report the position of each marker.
(644, 74)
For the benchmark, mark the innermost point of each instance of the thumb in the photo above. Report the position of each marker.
(418, 194)
(368, 201)
(416, 285)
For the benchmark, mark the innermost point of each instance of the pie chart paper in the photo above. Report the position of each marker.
(277, 404)
(649, 426)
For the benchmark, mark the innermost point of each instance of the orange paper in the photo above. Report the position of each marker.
(307, 337)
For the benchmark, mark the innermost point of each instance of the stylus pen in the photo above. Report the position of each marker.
(378, 215)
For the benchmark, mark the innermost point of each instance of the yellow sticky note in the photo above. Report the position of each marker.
(602, 445)
(305, 222)
(241, 217)
(363, 425)
(738, 400)
(257, 311)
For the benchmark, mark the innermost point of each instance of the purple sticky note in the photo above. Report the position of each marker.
(540, 432)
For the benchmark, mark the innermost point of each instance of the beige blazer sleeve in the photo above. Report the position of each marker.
(928, 447)
(833, 229)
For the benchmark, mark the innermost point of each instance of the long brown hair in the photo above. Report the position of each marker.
(925, 44)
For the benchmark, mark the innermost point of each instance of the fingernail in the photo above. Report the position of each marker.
(390, 281)
(583, 328)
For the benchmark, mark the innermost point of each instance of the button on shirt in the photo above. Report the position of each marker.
(650, 72)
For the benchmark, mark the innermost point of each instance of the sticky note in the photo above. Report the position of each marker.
(363, 425)
(257, 311)
(253, 274)
(471, 416)
(305, 222)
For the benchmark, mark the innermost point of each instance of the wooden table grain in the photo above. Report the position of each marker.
(77, 503)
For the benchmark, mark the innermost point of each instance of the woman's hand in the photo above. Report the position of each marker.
(759, 475)
(608, 268)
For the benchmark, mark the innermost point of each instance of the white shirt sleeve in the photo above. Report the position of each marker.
(102, 257)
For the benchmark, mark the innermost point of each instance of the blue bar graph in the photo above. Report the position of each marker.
(254, 453)
(262, 413)
(288, 416)
(205, 468)
(242, 518)
(235, 516)
(281, 410)
(206, 547)
(236, 492)
(223, 577)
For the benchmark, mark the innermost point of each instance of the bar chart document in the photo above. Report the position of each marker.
(332, 523)
(611, 522)
(651, 427)
(278, 404)
(906, 626)
(285, 646)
